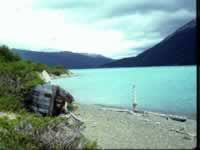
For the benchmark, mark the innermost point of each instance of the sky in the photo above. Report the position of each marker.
(113, 28)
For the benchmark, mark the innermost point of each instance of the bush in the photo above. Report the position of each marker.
(11, 139)
(8, 126)
(9, 103)
(7, 56)
(17, 79)
(56, 70)
(88, 144)
(26, 132)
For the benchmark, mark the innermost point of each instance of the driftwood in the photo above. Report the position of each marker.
(71, 114)
(173, 117)
(76, 118)
(177, 118)
(183, 132)
(140, 112)
(117, 110)
(157, 114)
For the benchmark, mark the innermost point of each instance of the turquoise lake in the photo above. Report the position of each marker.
(160, 89)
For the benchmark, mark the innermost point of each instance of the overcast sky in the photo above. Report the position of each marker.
(114, 28)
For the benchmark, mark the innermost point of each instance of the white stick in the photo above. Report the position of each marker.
(134, 95)
(117, 110)
(135, 98)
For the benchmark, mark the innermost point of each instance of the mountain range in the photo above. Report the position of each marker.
(67, 59)
(177, 49)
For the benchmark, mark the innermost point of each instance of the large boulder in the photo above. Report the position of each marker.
(48, 99)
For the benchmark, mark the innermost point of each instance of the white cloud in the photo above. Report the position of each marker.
(25, 24)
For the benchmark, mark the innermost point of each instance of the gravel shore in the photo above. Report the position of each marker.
(122, 130)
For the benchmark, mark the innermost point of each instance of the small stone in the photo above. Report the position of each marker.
(145, 114)
(182, 129)
(62, 115)
(157, 123)
(94, 124)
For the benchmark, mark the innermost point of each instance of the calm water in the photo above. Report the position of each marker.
(161, 89)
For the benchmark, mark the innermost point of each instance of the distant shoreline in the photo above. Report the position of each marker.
(54, 77)
(169, 66)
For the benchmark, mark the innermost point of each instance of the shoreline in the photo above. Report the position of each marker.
(124, 109)
(115, 129)
(190, 117)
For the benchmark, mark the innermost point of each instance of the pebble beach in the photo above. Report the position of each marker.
(122, 130)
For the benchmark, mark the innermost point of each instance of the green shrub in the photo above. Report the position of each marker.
(37, 121)
(56, 70)
(6, 55)
(88, 144)
(10, 103)
(17, 79)
(22, 139)
(11, 139)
